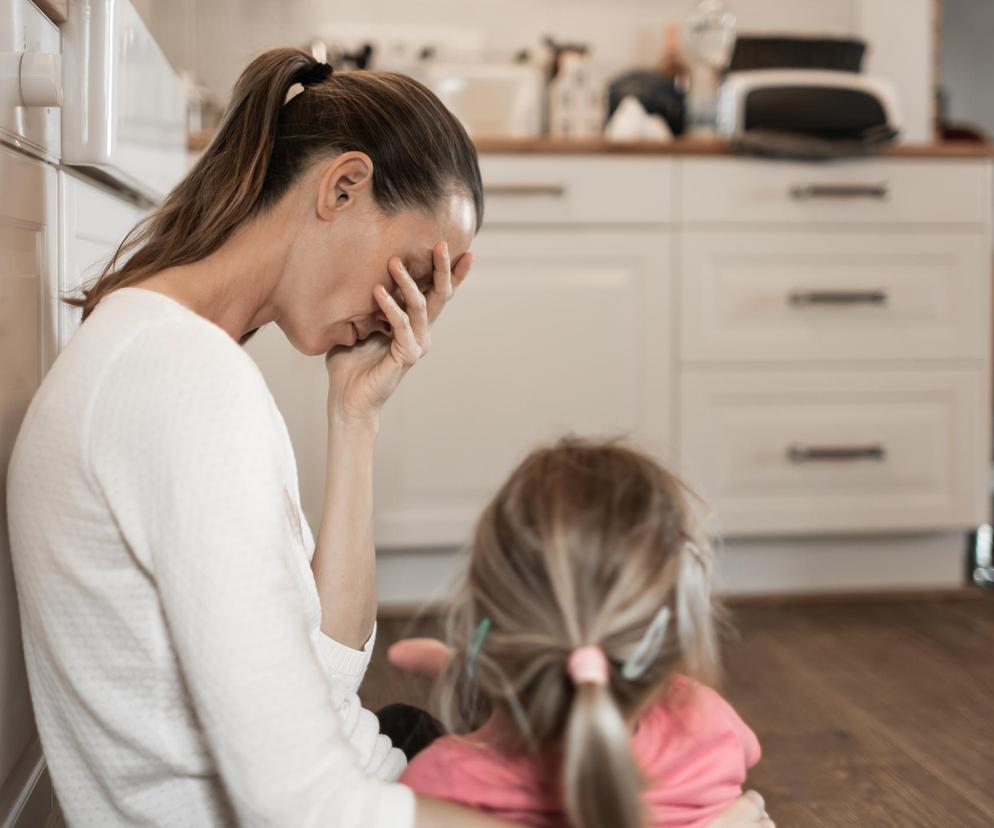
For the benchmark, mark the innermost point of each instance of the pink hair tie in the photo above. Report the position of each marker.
(587, 665)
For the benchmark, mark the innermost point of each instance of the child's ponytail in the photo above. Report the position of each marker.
(586, 544)
(601, 783)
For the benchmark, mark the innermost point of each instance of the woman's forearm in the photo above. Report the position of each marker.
(344, 563)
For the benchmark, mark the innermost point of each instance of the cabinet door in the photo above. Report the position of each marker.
(94, 222)
(556, 331)
(28, 226)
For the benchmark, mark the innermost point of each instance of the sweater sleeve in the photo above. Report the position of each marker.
(182, 446)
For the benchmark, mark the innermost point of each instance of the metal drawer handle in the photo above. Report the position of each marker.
(802, 298)
(831, 454)
(526, 189)
(806, 192)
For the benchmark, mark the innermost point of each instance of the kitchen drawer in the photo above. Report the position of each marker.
(832, 452)
(576, 189)
(878, 190)
(854, 296)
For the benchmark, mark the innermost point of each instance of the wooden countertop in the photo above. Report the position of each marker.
(947, 149)
(558, 146)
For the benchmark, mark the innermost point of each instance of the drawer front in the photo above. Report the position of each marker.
(576, 189)
(888, 191)
(837, 452)
(833, 296)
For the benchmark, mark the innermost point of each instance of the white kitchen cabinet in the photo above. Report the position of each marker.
(829, 295)
(28, 261)
(94, 222)
(558, 330)
(809, 344)
(835, 344)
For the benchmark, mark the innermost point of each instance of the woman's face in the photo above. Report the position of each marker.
(341, 249)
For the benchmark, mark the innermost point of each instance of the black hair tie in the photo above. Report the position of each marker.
(315, 73)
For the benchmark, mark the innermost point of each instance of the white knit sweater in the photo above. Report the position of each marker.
(171, 620)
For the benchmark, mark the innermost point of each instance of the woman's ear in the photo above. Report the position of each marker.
(347, 177)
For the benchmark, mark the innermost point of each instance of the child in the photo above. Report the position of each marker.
(586, 601)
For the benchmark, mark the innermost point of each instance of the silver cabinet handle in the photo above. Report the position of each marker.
(803, 298)
(526, 189)
(807, 192)
(829, 454)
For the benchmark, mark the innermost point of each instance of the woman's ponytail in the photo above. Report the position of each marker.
(601, 783)
(219, 192)
(265, 143)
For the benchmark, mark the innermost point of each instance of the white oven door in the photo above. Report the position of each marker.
(95, 221)
(125, 108)
(30, 80)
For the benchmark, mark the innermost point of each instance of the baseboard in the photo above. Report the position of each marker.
(771, 569)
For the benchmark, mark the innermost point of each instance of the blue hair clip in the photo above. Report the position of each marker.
(476, 644)
(648, 647)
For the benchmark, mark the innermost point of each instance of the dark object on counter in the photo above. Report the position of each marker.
(800, 147)
(963, 132)
(657, 93)
(361, 58)
(819, 112)
(840, 54)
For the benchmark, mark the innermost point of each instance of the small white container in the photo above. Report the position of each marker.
(577, 99)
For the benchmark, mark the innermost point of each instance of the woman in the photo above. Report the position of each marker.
(193, 654)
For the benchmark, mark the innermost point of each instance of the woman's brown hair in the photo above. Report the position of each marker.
(420, 154)
(584, 545)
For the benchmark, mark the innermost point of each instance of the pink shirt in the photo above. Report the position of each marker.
(694, 750)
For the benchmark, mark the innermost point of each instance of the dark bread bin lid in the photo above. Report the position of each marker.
(819, 111)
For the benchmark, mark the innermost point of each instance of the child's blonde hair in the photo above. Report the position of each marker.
(584, 545)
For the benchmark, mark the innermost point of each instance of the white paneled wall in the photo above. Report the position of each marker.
(217, 37)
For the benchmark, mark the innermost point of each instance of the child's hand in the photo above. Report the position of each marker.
(364, 376)
(423, 656)
(748, 811)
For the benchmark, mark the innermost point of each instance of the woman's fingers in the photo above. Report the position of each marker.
(748, 811)
(415, 302)
(461, 270)
(442, 287)
(756, 798)
(404, 345)
(446, 278)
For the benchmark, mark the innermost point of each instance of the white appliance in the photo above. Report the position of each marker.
(91, 136)
(805, 100)
(491, 100)
(125, 109)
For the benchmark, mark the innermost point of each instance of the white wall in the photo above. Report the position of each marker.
(217, 37)
(901, 37)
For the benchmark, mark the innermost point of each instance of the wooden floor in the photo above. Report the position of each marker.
(878, 714)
